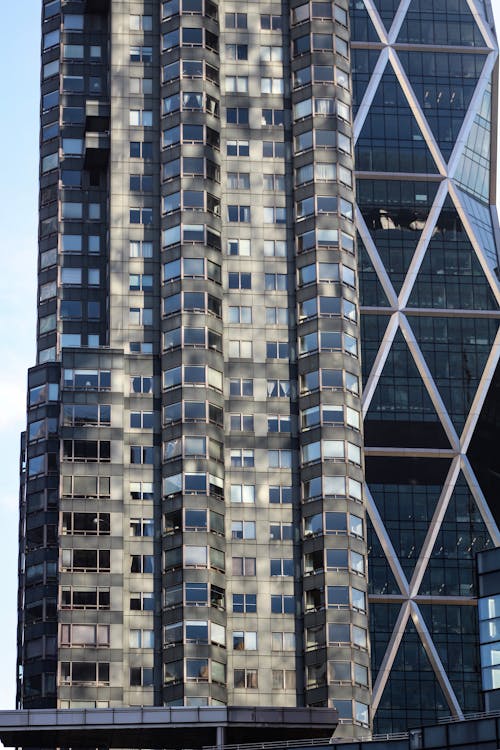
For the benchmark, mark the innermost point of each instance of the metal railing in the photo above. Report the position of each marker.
(372, 738)
(272, 745)
(469, 717)
(314, 742)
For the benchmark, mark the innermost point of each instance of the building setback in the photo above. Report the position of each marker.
(192, 512)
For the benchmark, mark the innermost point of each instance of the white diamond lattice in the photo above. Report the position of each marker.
(460, 465)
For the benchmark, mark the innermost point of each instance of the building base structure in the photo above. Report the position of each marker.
(164, 727)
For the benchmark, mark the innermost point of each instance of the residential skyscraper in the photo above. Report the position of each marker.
(192, 523)
(193, 526)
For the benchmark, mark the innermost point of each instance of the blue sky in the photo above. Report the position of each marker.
(19, 63)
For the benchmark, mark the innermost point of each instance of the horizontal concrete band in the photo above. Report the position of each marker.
(177, 727)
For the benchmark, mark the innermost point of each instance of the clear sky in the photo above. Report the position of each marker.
(19, 63)
(19, 66)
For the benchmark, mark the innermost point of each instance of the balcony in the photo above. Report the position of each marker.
(96, 150)
(97, 6)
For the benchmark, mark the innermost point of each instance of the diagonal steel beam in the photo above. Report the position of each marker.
(389, 655)
(435, 526)
(436, 663)
(429, 383)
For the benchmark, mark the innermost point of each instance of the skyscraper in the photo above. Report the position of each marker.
(193, 530)
(425, 129)
(192, 515)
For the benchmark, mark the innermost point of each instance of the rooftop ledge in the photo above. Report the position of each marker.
(178, 727)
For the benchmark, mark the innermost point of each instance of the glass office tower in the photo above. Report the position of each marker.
(425, 94)
(192, 515)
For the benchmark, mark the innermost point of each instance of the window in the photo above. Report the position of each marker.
(276, 282)
(277, 350)
(243, 529)
(243, 566)
(73, 52)
(84, 673)
(240, 349)
(141, 564)
(271, 53)
(237, 51)
(50, 39)
(141, 490)
(361, 713)
(85, 486)
(86, 524)
(141, 54)
(238, 247)
(238, 148)
(273, 149)
(75, 598)
(238, 214)
(278, 389)
(141, 676)
(141, 384)
(140, 23)
(279, 423)
(142, 527)
(86, 450)
(236, 84)
(281, 531)
(241, 422)
(140, 282)
(141, 215)
(72, 84)
(51, 8)
(241, 387)
(245, 603)
(276, 316)
(71, 276)
(244, 640)
(236, 20)
(242, 457)
(85, 560)
(271, 22)
(142, 602)
(283, 679)
(272, 86)
(141, 316)
(274, 183)
(51, 99)
(141, 454)
(138, 117)
(283, 604)
(281, 567)
(273, 117)
(274, 215)
(141, 183)
(240, 315)
(237, 115)
(238, 181)
(71, 211)
(283, 641)
(280, 459)
(239, 280)
(246, 678)
(242, 493)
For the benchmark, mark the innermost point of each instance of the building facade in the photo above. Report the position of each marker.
(192, 519)
(425, 94)
(193, 527)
